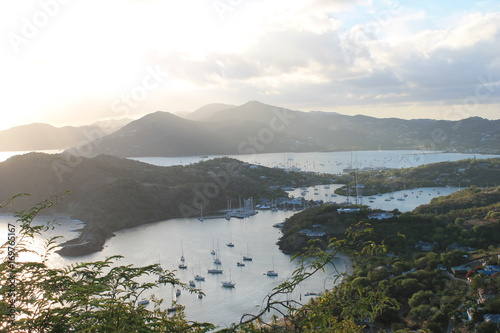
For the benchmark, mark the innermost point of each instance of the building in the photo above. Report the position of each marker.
(457, 246)
(486, 294)
(348, 210)
(380, 215)
(425, 246)
(459, 270)
(490, 269)
(310, 233)
(492, 318)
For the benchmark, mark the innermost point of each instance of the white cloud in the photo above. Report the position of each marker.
(301, 54)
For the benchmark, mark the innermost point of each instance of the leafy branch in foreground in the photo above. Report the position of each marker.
(299, 317)
(99, 296)
(103, 296)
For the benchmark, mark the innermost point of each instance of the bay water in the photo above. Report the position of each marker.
(164, 242)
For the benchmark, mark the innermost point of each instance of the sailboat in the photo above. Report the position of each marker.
(217, 260)
(175, 306)
(143, 302)
(201, 218)
(215, 271)
(272, 272)
(212, 252)
(159, 269)
(182, 265)
(230, 244)
(199, 277)
(247, 257)
(228, 283)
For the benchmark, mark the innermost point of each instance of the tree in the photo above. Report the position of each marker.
(421, 297)
(487, 328)
(103, 296)
(453, 258)
(99, 296)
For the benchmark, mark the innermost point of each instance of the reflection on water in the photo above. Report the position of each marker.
(160, 242)
(404, 201)
(165, 242)
(329, 162)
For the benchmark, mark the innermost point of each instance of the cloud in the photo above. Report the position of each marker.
(433, 65)
(321, 54)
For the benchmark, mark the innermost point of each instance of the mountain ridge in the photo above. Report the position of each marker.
(41, 136)
(255, 127)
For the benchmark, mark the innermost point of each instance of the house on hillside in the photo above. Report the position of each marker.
(486, 294)
(457, 246)
(348, 210)
(425, 246)
(381, 215)
(492, 318)
(459, 271)
(490, 269)
(310, 233)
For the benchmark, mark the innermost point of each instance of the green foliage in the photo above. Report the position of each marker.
(487, 328)
(421, 297)
(96, 297)
(484, 172)
(103, 296)
(399, 290)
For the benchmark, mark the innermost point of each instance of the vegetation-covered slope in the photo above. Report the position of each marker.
(111, 193)
(255, 127)
(397, 284)
(463, 173)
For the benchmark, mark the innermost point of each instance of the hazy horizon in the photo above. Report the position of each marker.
(74, 63)
(110, 121)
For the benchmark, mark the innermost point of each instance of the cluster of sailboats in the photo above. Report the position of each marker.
(247, 210)
(229, 283)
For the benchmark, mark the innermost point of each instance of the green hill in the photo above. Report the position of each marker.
(111, 193)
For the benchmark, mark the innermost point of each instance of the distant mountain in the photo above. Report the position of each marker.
(251, 111)
(111, 125)
(42, 137)
(255, 127)
(208, 111)
(47, 137)
(162, 134)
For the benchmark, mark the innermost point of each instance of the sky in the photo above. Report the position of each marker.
(74, 62)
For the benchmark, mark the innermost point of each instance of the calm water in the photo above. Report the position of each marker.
(404, 201)
(165, 241)
(329, 162)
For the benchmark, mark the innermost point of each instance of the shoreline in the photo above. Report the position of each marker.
(348, 263)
